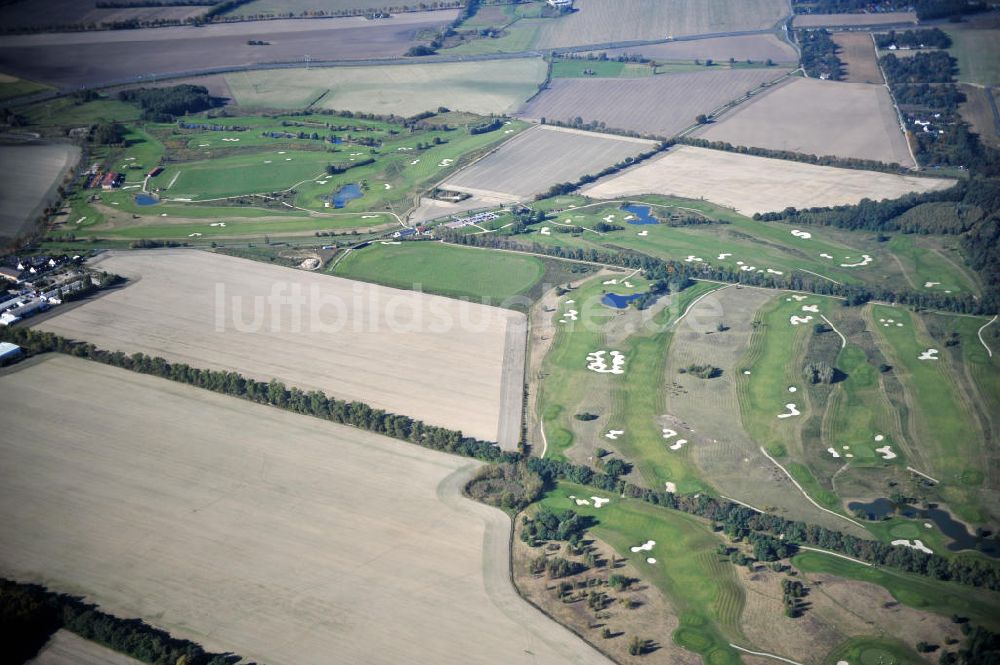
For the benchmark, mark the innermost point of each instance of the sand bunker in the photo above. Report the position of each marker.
(645, 547)
(879, 437)
(414, 162)
(310, 264)
(614, 434)
(571, 315)
(747, 372)
(597, 363)
(774, 272)
(194, 235)
(799, 298)
(219, 224)
(796, 320)
(792, 389)
(865, 260)
(671, 487)
(833, 452)
(886, 452)
(628, 285)
(642, 234)
(792, 411)
(929, 354)
(545, 231)
(582, 502)
(388, 186)
(691, 257)
(446, 162)
(929, 285)
(811, 308)
(668, 433)
(826, 256)
(805, 235)
(917, 545)
(609, 282)
(599, 501)
(724, 256)
(650, 560)
(679, 444)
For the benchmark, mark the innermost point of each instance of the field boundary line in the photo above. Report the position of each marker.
(921, 473)
(805, 494)
(979, 334)
(745, 505)
(843, 340)
(842, 556)
(695, 302)
(764, 654)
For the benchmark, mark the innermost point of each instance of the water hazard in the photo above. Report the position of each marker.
(346, 194)
(959, 534)
(643, 214)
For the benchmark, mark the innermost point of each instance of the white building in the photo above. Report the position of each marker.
(560, 3)
(9, 352)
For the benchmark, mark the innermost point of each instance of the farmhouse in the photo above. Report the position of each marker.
(10, 274)
(112, 180)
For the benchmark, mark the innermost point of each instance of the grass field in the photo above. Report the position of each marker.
(444, 269)
(755, 184)
(978, 55)
(704, 590)
(437, 359)
(662, 105)
(931, 265)
(758, 48)
(478, 87)
(377, 527)
(242, 174)
(579, 68)
(11, 87)
(813, 117)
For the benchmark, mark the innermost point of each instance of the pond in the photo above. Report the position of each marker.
(643, 214)
(619, 301)
(146, 200)
(959, 534)
(346, 194)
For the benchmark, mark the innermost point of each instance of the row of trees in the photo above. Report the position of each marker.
(822, 160)
(932, 38)
(925, 9)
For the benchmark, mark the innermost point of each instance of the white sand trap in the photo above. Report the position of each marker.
(368, 216)
(194, 235)
(628, 285)
(680, 444)
(645, 547)
(842, 662)
(446, 162)
(609, 219)
(163, 214)
(572, 315)
(849, 455)
(582, 502)
(562, 320)
(390, 242)
(747, 372)
(671, 487)
(599, 501)
(114, 203)
(833, 452)
(668, 433)
(792, 411)
(796, 320)
(928, 525)
(792, 389)
(774, 272)
(403, 149)
(805, 235)
(388, 186)
(610, 281)
(691, 258)
(642, 234)
(545, 231)
(281, 152)
(798, 298)
(886, 452)
(748, 268)
(846, 447)
(930, 285)
(899, 325)
(569, 302)
(929, 354)
(650, 560)
(865, 260)
(916, 544)
(811, 308)
(414, 162)
(221, 225)
(202, 145)
(597, 363)
(879, 438)
(288, 159)
(826, 256)
(724, 256)
(508, 131)
(614, 434)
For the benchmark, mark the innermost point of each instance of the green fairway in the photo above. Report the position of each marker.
(704, 590)
(942, 426)
(252, 173)
(11, 87)
(230, 227)
(874, 651)
(448, 270)
(917, 591)
(930, 270)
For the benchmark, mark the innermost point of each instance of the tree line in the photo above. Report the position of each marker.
(165, 104)
(823, 160)
(932, 38)
(819, 54)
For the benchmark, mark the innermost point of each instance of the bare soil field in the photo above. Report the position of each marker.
(755, 184)
(428, 357)
(66, 648)
(659, 105)
(818, 118)
(58, 13)
(498, 86)
(853, 20)
(977, 112)
(120, 56)
(741, 47)
(31, 175)
(857, 52)
(598, 21)
(249, 529)
(541, 157)
(259, 8)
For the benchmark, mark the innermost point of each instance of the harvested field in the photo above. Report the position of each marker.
(977, 111)
(541, 157)
(291, 541)
(120, 56)
(424, 356)
(814, 117)
(262, 8)
(598, 21)
(478, 87)
(857, 52)
(755, 184)
(66, 648)
(660, 105)
(53, 14)
(31, 175)
(853, 20)
(758, 48)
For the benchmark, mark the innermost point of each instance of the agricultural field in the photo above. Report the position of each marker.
(11, 87)
(539, 158)
(32, 172)
(814, 117)
(755, 48)
(750, 184)
(978, 55)
(854, 20)
(127, 56)
(857, 52)
(498, 86)
(978, 112)
(280, 8)
(441, 360)
(61, 14)
(66, 648)
(376, 527)
(660, 106)
(573, 68)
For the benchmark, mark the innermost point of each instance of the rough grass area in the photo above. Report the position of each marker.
(478, 87)
(11, 87)
(494, 277)
(978, 55)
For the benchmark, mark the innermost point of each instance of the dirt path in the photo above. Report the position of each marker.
(512, 384)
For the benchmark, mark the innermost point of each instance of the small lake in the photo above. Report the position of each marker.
(345, 194)
(643, 214)
(959, 534)
(146, 200)
(619, 301)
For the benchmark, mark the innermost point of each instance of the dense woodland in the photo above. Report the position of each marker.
(819, 54)
(925, 9)
(932, 38)
(165, 104)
